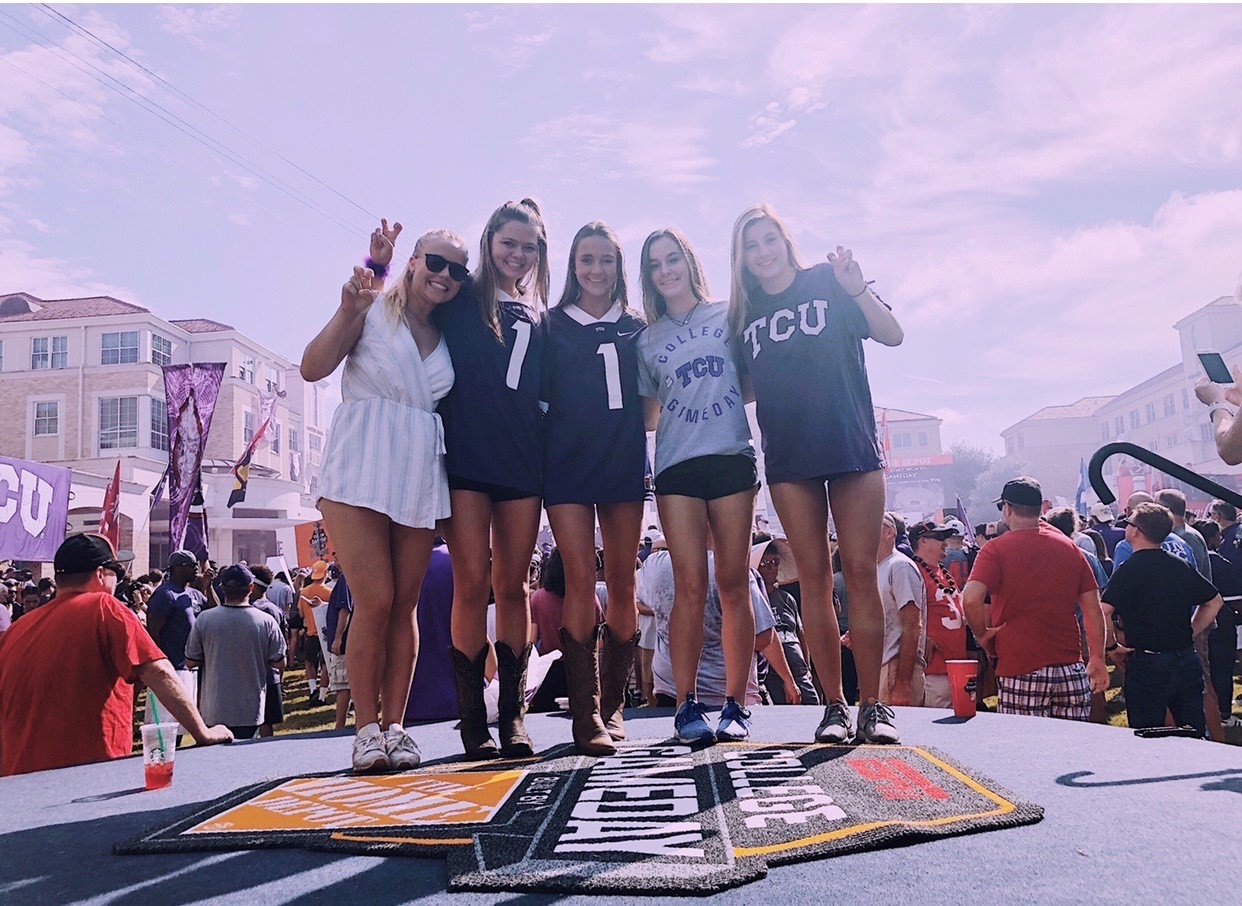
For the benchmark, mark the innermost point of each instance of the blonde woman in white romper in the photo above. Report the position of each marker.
(383, 483)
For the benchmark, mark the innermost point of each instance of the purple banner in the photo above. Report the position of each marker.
(34, 509)
(191, 392)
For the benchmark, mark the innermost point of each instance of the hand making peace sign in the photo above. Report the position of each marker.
(360, 291)
(847, 271)
(383, 241)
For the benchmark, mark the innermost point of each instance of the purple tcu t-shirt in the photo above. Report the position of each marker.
(803, 348)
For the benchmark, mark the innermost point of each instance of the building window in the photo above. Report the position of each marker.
(273, 380)
(922, 438)
(1170, 406)
(119, 348)
(49, 352)
(247, 427)
(47, 419)
(1205, 433)
(1185, 398)
(246, 370)
(1134, 418)
(1155, 443)
(274, 431)
(159, 425)
(315, 405)
(293, 440)
(118, 422)
(316, 442)
(314, 485)
(1120, 424)
(1104, 431)
(161, 350)
(1150, 411)
(1171, 440)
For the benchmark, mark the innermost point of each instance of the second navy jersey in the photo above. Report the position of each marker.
(595, 442)
(803, 348)
(493, 424)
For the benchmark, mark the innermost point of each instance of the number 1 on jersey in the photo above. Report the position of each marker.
(612, 373)
(516, 358)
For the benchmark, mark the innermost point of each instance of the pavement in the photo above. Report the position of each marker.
(1125, 819)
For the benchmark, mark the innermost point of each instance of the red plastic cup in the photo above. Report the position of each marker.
(962, 686)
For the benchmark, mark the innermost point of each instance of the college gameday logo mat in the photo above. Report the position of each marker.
(656, 817)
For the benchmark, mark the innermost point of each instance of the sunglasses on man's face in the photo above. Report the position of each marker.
(437, 263)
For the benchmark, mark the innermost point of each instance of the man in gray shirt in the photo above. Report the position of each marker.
(1175, 502)
(237, 645)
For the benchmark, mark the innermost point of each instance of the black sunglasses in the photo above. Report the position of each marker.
(437, 263)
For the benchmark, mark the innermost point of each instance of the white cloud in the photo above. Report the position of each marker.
(23, 269)
(193, 22)
(239, 219)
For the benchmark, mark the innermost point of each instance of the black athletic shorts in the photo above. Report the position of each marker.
(709, 477)
(274, 704)
(295, 621)
(312, 651)
(497, 493)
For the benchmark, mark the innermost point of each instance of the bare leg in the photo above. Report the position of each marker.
(573, 526)
(411, 551)
(515, 526)
(685, 521)
(362, 539)
(803, 508)
(730, 519)
(857, 507)
(621, 524)
(468, 534)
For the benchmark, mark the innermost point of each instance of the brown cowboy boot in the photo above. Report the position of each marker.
(475, 738)
(615, 665)
(514, 743)
(582, 677)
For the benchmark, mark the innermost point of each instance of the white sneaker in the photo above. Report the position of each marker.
(403, 754)
(370, 753)
(1231, 721)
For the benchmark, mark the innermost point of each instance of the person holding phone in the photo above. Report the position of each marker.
(1219, 392)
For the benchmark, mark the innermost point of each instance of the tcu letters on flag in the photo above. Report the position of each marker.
(34, 509)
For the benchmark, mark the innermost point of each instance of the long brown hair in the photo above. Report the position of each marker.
(573, 289)
(653, 300)
(486, 280)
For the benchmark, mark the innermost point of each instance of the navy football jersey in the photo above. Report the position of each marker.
(595, 443)
(803, 348)
(493, 424)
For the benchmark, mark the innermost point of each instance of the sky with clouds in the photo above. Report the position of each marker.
(1039, 191)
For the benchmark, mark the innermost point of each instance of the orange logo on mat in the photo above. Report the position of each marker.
(311, 804)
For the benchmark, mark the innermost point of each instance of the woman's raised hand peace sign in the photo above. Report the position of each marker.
(360, 291)
(383, 241)
(847, 271)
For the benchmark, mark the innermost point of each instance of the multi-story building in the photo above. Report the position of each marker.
(1159, 414)
(83, 388)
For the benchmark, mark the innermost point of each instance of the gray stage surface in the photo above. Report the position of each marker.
(1126, 819)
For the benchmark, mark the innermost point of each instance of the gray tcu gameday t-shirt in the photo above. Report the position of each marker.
(691, 370)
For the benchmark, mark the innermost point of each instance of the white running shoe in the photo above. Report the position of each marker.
(370, 753)
(403, 754)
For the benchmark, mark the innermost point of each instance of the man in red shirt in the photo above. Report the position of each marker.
(66, 670)
(946, 627)
(1038, 580)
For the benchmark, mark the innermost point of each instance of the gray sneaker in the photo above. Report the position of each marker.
(875, 725)
(835, 728)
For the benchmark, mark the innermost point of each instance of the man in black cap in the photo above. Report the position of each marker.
(66, 670)
(237, 646)
(171, 611)
(1038, 580)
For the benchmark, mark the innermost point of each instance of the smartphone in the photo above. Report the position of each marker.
(1215, 368)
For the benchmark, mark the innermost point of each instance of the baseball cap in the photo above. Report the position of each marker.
(922, 529)
(182, 558)
(1102, 512)
(319, 569)
(85, 552)
(1023, 490)
(238, 575)
(956, 524)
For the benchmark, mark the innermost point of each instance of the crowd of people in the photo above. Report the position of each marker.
(472, 403)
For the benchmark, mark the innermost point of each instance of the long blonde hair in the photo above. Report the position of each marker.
(743, 282)
(486, 280)
(654, 303)
(573, 289)
(396, 296)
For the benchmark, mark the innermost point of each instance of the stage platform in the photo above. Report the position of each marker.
(1126, 819)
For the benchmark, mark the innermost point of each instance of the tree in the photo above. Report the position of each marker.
(989, 485)
(960, 478)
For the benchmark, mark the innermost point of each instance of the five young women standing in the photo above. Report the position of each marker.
(550, 408)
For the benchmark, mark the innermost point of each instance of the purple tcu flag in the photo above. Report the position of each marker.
(34, 509)
(191, 392)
